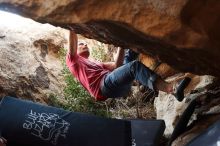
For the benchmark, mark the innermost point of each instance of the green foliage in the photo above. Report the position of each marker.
(75, 97)
(98, 52)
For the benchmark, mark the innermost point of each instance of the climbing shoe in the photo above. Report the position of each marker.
(179, 88)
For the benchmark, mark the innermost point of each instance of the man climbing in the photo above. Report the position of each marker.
(113, 79)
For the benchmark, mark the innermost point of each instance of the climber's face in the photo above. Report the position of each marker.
(83, 49)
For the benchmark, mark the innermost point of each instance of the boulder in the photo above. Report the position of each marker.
(29, 63)
(182, 33)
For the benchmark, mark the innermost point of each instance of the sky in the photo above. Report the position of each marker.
(10, 19)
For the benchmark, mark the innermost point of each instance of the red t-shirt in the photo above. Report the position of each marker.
(89, 73)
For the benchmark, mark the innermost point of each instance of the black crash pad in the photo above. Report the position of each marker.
(26, 123)
(147, 132)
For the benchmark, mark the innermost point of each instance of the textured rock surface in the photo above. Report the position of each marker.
(29, 64)
(183, 33)
(207, 111)
(169, 109)
(161, 68)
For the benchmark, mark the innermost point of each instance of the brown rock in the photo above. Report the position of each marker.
(162, 69)
(29, 63)
(183, 33)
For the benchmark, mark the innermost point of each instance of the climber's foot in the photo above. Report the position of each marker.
(179, 88)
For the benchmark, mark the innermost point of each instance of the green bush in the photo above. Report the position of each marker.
(99, 53)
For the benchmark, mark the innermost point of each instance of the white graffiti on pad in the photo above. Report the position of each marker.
(46, 126)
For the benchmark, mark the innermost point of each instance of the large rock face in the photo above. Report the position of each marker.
(29, 64)
(183, 33)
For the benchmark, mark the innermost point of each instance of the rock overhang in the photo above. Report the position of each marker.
(184, 34)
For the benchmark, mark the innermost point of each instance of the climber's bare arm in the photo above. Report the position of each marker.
(118, 60)
(73, 40)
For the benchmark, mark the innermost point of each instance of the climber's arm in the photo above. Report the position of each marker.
(73, 40)
(118, 60)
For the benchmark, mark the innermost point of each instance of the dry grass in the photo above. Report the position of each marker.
(133, 106)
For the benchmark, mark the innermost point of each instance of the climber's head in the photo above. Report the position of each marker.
(83, 49)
